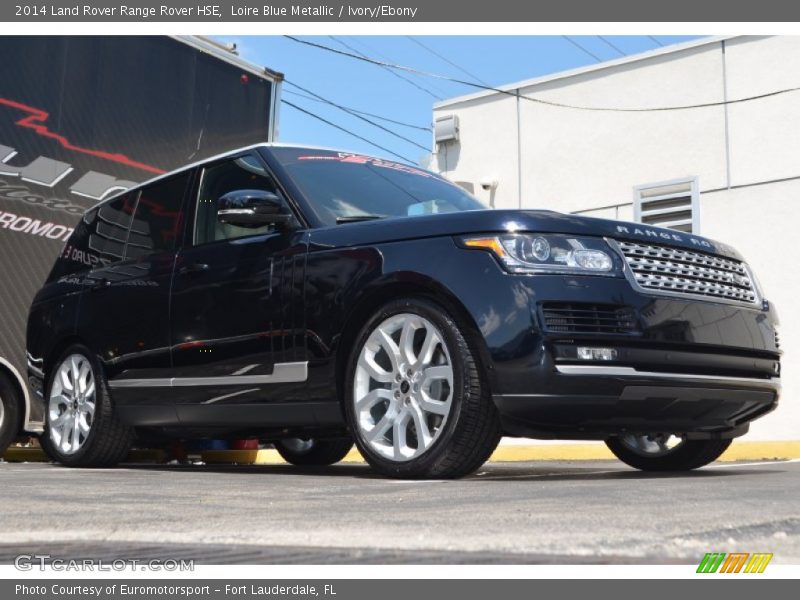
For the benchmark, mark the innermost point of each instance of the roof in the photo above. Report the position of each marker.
(512, 87)
(215, 158)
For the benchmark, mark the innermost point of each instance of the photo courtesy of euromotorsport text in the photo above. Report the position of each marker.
(341, 286)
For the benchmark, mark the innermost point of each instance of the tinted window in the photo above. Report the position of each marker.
(341, 185)
(75, 256)
(159, 217)
(99, 237)
(244, 173)
(108, 230)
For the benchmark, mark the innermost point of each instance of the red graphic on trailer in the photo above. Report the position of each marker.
(36, 121)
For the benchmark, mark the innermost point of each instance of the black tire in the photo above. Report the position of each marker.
(318, 454)
(688, 455)
(472, 429)
(11, 401)
(108, 441)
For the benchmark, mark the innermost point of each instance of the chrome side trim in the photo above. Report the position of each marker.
(231, 395)
(292, 372)
(128, 383)
(613, 371)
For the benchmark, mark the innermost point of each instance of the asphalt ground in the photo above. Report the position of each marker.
(547, 512)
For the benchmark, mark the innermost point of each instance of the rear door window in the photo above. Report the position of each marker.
(158, 221)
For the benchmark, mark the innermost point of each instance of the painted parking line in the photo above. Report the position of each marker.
(755, 452)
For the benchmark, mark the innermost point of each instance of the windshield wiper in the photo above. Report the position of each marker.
(357, 218)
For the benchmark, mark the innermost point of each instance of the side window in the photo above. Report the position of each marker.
(99, 238)
(158, 220)
(243, 173)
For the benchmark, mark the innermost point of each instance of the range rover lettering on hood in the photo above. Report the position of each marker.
(665, 235)
(670, 236)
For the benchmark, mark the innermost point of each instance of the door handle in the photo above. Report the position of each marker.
(193, 269)
(100, 283)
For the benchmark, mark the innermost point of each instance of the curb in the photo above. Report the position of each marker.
(750, 451)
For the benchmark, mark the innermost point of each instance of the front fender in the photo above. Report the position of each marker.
(343, 283)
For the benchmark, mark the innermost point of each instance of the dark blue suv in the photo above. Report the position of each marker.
(314, 298)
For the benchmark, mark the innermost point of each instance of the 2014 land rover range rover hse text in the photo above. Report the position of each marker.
(313, 298)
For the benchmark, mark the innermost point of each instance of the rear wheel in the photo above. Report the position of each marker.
(311, 452)
(10, 407)
(81, 426)
(415, 397)
(665, 452)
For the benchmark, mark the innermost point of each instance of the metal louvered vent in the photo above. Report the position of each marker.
(562, 317)
(675, 271)
(671, 204)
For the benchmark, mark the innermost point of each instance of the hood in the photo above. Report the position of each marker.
(508, 221)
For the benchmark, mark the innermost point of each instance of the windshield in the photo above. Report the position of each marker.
(343, 187)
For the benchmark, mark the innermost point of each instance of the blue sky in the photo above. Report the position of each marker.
(495, 60)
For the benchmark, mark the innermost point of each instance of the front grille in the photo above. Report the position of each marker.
(682, 272)
(559, 317)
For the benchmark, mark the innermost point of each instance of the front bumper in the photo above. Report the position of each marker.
(597, 401)
(690, 366)
(682, 366)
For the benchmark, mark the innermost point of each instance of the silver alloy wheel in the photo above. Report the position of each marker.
(2, 411)
(72, 404)
(298, 445)
(403, 388)
(652, 445)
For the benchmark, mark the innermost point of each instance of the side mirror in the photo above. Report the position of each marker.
(251, 208)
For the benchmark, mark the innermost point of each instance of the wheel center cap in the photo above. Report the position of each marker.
(404, 387)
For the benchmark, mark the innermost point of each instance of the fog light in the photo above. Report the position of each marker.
(596, 353)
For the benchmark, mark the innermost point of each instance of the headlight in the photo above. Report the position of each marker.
(549, 253)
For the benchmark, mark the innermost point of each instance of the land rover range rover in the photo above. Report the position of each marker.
(314, 298)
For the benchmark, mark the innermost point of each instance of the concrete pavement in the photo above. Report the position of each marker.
(591, 511)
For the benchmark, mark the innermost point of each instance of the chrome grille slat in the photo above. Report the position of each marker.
(676, 271)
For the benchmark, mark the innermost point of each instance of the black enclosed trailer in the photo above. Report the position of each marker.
(85, 117)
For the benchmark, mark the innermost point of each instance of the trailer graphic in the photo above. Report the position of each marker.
(82, 118)
(36, 120)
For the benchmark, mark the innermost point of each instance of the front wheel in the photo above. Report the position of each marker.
(312, 452)
(415, 397)
(665, 452)
(81, 426)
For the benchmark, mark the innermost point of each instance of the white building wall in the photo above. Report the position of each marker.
(470, 160)
(746, 156)
(762, 221)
